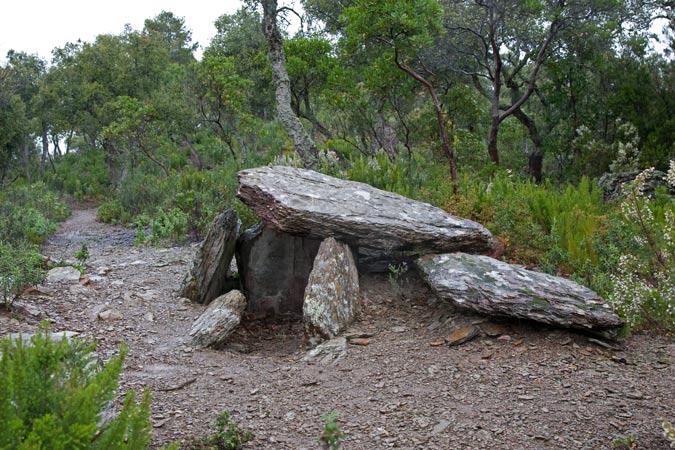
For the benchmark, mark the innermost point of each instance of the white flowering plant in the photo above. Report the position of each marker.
(644, 283)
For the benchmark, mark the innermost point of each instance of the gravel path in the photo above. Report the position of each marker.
(516, 386)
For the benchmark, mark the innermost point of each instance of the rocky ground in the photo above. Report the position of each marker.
(398, 385)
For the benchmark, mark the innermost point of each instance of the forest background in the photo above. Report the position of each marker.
(506, 112)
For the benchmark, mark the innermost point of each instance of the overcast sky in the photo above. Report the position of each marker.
(41, 25)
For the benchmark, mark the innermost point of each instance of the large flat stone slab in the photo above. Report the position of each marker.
(306, 203)
(492, 287)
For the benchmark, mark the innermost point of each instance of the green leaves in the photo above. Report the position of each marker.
(52, 394)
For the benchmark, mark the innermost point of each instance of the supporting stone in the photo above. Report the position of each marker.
(332, 299)
(274, 268)
(208, 275)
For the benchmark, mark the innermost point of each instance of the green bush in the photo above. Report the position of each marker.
(83, 174)
(52, 396)
(28, 213)
(643, 290)
(228, 436)
(20, 267)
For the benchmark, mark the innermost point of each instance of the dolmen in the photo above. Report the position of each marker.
(303, 258)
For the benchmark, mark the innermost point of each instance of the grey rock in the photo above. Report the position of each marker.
(63, 274)
(209, 273)
(328, 352)
(492, 287)
(274, 268)
(306, 203)
(219, 320)
(331, 300)
(55, 337)
(110, 314)
(612, 183)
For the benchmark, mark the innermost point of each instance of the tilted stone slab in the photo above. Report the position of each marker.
(208, 275)
(219, 320)
(307, 203)
(492, 287)
(332, 299)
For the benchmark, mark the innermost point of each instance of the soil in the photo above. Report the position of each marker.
(516, 385)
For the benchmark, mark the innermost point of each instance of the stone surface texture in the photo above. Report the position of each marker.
(332, 299)
(306, 203)
(492, 287)
(60, 274)
(209, 273)
(219, 320)
(273, 269)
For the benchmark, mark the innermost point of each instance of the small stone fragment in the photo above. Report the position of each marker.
(462, 335)
(63, 274)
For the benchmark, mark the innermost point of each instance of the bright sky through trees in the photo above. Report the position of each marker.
(39, 26)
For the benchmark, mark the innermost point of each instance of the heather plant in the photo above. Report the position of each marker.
(53, 396)
(644, 283)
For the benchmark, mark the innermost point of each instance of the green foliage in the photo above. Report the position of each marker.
(643, 290)
(82, 254)
(228, 436)
(82, 174)
(669, 433)
(20, 267)
(53, 394)
(556, 229)
(332, 437)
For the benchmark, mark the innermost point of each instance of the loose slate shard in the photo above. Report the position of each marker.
(492, 287)
(307, 203)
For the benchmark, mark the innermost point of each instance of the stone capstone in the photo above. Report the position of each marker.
(306, 203)
(219, 320)
(274, 268)
(209, 273)
(489, 286)
(331, 301)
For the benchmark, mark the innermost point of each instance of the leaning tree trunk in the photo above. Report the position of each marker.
(536, 157)
(303, 143)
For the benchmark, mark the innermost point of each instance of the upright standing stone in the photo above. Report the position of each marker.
(332, 296)
(489, 286)
(274, 268)
(208, 275)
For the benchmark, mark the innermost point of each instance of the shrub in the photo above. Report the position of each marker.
(20, 267)
(644, 283)
(228, 436)
(52, 396)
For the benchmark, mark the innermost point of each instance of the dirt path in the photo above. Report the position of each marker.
(527, 387)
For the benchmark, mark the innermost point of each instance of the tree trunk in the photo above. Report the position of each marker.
(26, 161)
(536, 157)
(492, 140)
(45, 152)
(440, 117)
(302, 142)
